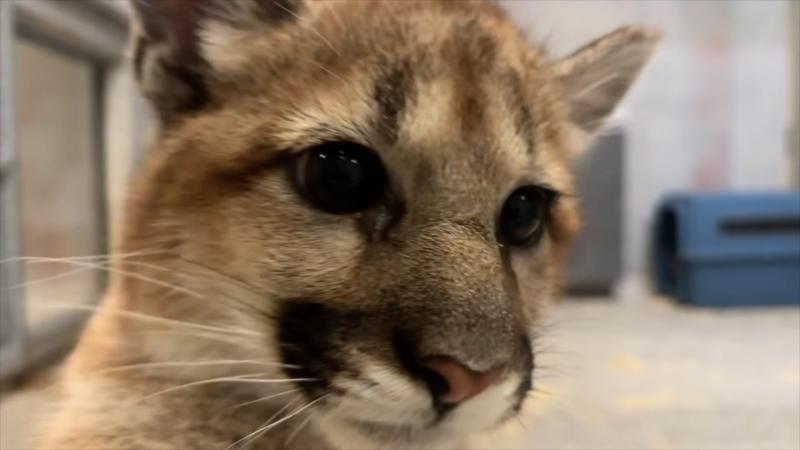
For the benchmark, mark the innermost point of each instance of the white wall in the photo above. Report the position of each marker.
(710, 110)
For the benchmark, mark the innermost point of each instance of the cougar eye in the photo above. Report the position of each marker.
(341, 177)
(523, 217)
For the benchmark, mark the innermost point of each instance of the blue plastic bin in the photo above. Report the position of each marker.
(729, 249)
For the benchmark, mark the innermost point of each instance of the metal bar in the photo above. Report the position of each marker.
(78, 26)
(47, 343)
(100, 187)
(11, 272)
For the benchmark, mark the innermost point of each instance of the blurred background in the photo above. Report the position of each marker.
(681, 328)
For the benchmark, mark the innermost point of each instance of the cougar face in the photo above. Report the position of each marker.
(379, 191)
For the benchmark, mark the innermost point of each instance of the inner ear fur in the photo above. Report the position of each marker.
(169, 61)
(596, 76)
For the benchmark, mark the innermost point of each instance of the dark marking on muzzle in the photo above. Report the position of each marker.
(312, 337)
(527, 363)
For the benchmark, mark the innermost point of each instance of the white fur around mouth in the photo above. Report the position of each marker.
(390, 424)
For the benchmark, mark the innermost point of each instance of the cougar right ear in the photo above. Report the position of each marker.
(170, 63)
(598, 75)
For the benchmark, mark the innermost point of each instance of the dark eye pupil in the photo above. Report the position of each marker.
(522, 218)
(337, 172)
(342, 177)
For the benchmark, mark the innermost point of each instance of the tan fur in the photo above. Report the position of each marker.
(213, 214)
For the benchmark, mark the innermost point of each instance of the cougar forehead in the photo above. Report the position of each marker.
(460, 109)
(432, 81)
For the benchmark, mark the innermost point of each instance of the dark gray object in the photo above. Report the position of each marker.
(595, 263)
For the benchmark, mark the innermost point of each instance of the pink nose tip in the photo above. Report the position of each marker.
(461, 383)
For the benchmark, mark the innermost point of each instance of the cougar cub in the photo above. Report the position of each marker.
(346, 230)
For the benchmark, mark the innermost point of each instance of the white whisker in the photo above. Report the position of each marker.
(219, 362)
(262, 399)
(106, 266)
(149, 266)
(312, 29)
(297, 429)
(67, 259)
(332, 11)
(308, 419)
(147, 318)
(231, 379)
(232, 340)
(126, 273)
(66, 274)
(270, 426)
(277, 413)
(215, 272)
(327, 70)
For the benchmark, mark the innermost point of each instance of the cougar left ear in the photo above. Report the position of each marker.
(597, 76)
(171, 61)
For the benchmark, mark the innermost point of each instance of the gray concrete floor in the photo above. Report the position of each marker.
(626, 376)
